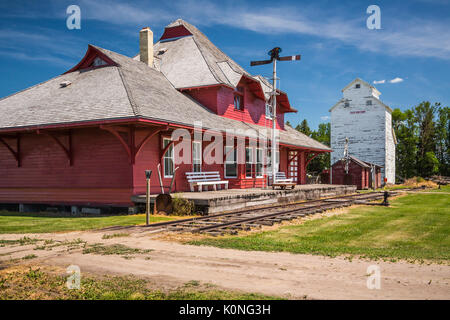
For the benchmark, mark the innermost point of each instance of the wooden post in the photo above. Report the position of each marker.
(147, 212)
(148, 174)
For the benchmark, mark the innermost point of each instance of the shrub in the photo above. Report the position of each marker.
(182, 206)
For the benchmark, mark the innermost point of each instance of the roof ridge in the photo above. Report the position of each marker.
(133, 104)
(206, 61)
(200, 33)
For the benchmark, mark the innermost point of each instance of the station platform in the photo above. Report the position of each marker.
(210, 202)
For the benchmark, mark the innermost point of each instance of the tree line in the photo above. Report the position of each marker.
(423, 141)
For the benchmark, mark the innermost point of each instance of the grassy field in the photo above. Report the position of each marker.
(35, 283)
(415, 227)
(14, 222)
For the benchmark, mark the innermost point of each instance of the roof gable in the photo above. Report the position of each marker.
(175, 32)
(93, 58)
(360, 81)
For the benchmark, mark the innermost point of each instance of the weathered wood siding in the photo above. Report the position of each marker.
(368, 128)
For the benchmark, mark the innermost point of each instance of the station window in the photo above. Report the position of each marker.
(269, 111)
(248, 162)
(239, 98)
(196, 156)
(259, 163)
(230, 162)
(168, 159)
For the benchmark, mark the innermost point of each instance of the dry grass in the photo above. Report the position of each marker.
(417, 182)
(35, 282)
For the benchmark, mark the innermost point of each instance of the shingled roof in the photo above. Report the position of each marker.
(194, 61)
(122, 90)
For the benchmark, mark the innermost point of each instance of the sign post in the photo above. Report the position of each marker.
(148, 174)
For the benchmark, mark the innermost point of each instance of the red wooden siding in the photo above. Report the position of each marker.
(360, 175)
(100, 171)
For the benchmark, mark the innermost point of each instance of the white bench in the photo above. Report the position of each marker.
(282, 182)
(280, 177)
(200, 179)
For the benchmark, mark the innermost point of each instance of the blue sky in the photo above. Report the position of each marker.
(413, 43)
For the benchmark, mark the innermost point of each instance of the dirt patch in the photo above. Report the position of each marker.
(275, 274)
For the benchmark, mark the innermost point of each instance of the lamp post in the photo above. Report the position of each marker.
(148, 174)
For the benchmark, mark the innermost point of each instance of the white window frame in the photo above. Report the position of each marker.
(196, 158)
(230, 162)
(260, 162)
(168, 157)
(250, 162)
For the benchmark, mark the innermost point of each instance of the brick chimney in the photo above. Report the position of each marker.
(146, 46)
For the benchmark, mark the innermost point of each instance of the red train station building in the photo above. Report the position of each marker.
(85, 137)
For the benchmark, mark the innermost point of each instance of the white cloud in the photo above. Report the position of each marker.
(396, 80)
(379, 81)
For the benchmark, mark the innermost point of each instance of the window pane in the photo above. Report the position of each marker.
(230, 170)
(231, 155)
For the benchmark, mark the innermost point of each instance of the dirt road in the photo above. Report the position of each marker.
(282, 274)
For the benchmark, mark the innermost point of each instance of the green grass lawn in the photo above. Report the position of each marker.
(14, 222)
(415, 227)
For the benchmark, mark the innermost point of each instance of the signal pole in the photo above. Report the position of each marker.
(274, 119)
(274, 56)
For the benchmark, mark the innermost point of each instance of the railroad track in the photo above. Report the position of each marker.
(246, 219)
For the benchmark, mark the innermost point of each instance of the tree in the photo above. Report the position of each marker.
(322, 161)
(430, 164)
(406, 152)
(423, 140)
(443, 140)
(425, 114)
(303, 127)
